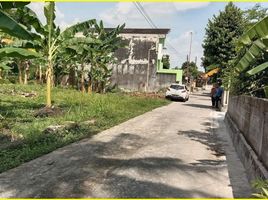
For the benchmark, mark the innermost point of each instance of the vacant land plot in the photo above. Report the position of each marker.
(27, 130)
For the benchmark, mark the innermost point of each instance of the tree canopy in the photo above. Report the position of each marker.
(222, 31)
(193, 71)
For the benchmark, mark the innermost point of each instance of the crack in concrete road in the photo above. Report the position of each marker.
(179, 150)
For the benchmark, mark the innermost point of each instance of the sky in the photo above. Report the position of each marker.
(181, 18)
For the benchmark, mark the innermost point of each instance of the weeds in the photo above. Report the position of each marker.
(29, 141)
(262, 188)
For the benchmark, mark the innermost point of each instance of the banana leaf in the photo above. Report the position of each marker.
(14, 4)
(256, 49)
(49, 11)
(79, 27)
(257, 69)
(18, 53)
(29, 17)
(259, 30)
(11, 27)
(5, 67)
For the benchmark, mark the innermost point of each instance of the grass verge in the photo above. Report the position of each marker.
(22, 136)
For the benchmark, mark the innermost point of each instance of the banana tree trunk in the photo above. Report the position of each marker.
(20, 68)
(102, 87)
(52, 78)
(40, 74)
(89, 89)
(26, 72)
(83, 89)
(1, 73)
(49, 75)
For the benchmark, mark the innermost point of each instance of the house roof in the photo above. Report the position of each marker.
(143, 30)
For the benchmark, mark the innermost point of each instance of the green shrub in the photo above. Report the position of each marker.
(262, 188)
(4, 81)
(18, 121)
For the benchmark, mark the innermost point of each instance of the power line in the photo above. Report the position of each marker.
(146, 14)
(151, 23)
(140, 10)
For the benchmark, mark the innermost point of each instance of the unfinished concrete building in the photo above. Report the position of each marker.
(139, 64)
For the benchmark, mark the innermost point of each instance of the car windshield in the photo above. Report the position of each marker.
(177, 87)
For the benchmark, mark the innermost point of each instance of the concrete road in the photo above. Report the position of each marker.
(179, 150)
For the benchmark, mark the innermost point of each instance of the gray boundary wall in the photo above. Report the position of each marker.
(247, 118)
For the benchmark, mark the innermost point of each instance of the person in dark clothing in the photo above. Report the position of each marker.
(212, 95)
(218, 94)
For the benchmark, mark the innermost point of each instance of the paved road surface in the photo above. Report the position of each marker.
(173, 151)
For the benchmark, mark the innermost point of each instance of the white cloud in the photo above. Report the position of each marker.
(123, 13)
(59, 14)
(190, 5)
(126, 12)
(38, 8)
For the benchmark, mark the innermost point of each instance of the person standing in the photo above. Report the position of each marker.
(218, 94)
(212, 94)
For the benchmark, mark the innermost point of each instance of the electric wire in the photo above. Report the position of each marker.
(152, 24)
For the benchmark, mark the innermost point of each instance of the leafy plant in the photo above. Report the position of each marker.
(251, 64)
(220, 38)
(49, 40)
(262, 188)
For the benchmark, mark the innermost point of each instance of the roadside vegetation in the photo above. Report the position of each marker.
(54, 83)
(27, 133)
(236, 43)
(261, 187)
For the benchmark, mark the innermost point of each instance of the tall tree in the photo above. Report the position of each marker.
(221, 35)
(191, 68)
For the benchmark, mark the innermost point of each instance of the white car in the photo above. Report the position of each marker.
(177, 91)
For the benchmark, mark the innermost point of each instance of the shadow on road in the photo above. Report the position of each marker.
(198, 105)
(209, 138)
(204, 94)
(103, 169)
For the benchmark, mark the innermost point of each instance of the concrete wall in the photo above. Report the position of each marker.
(131, 69)
(250, 116)
(134, 77)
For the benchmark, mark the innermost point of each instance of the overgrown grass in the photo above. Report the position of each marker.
(17, 121)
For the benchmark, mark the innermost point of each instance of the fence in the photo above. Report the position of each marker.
(250, 116)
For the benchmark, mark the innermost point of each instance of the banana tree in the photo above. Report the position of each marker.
(79, 49)
(57, 39)
(103, 56)
(18, 53)
(22, 51)
(253, 63)
(95, 51)
(4, 67)
(256, 42)
(49, 37)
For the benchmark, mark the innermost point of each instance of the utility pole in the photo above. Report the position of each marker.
(191, 35)
(189, 60)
